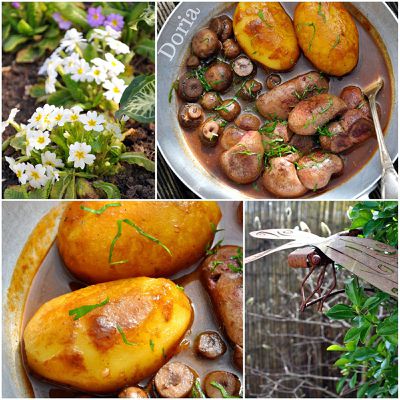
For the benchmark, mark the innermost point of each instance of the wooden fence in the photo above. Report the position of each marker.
(286, 350)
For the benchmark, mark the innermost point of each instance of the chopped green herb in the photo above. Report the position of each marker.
(239, 260)
(223, 391)
(361, 104)
(174, 86)
(102, 209)
(140, 231)
(337, 41)
(268, 127)
(126, 341)
(212, 251)
(180, 287)
(215, 264)
(255, 186)
(327, 107)
(310, 121)
(320, 12)
(83, 310)
(151, 345)
(315, 188)
(279, 149)
(312, 25)
(324, 131)
(214, 228)
(261, 16)
(197, 391)
(309, 89)
(225, 107)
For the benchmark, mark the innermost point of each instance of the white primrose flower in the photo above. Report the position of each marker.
(114, 128)
(11, 161)
(41, 118)
(40, 140)
(105, 33)
(50, 159)
(70, 63)
(72, 39)
(52, 174)
(115, 67)
(58, 116)
(50, 84)
(79, 153)
(49, 67)
(71, 115)
(20, 170)
(98, 74)
(115, 88)
(36, 175)
(10, 119)
(92, 121)
(81, 72)
(117, 46)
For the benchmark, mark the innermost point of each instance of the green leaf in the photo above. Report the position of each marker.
(340, 311)
(362, 389)
(16, 192)
(375, 301)
(59, 98)
(13, 42)
(49, 43)
(74, 88)
(341, 362)
(34, 13)
(360, 218)
(387, 329)
(353, 292)
(73, 13)
(29, 54)
(111, 191)
(363, 353)
(146, 48)
(138, 159)
(138, 100)
(37, 90)
(59, 188)
(353, 381)
(42, 193)
(373, 225)
(89, 53)
(84, 189)
(335, 347)
(24, 28)
(340, 384)
(6, 29)
(70, 192)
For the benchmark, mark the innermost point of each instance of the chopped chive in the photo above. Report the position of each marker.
(83, 310)
(197, 391)
(102, 209)
(151, 344)
(163, 354)
(180, 287)
(214, 228)
(223, 391)
(126, 341)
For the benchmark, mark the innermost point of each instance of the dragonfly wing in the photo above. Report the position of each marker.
(285, 234)
(372, 261)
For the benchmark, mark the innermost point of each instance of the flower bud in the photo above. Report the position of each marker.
(107, 164)
(66, 135)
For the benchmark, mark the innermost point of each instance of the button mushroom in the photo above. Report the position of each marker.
(232, 135)
(174, 380)
(222, 26)
(280, 178)
(192, 61)
(190, 115)
(229, 109)
(219, 76)
(133, 392)
(273, 80)
(250, 90)
(248, 122)
(209, 132)
(317, 168)
(231, 48)
(205, 43)
(210, 100)
(210, 345)
(243, 67)
(243, 162)
(216, 380)
(189, 88)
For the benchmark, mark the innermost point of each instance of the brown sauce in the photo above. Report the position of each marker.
(52, 279)
(373, 62)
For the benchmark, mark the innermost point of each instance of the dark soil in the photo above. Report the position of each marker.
(133, 182)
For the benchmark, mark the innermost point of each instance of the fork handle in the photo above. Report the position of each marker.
(389, 181)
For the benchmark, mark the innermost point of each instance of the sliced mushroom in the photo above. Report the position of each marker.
(250, 90)
(243, 67)
(190, 115)
(226, 380)
(209, 345)
(210, 100)
(205, 43)
(273, 80)
(174, 380)
(189, 88)
(219, 76)
(229, 109)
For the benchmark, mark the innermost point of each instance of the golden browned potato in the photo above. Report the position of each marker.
(165, 237)
(266, 34)
(134, 330)
(328, 36)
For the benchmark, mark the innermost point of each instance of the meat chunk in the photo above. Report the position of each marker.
(317, 168)
(278, 102)
(312, 113)
(243, 162)
(222, 277)
(280, 178)
(304, 144)
(274, 134)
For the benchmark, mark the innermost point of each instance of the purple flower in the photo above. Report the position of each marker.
(115, 21)
(62, 22)
(15, 4)
(95, 17)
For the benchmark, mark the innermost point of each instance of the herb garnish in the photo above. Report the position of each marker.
(180, 287)
(261, 16)
(197, 391)
(239, 260)
(199, 73)
(223, 391)
(151, 344)
(324, 131)
(140, 231)
(320, 12)
(102, 209)
(327, 107)
(212, 251)
(337, 41)
(214, 228)
(83, 310)
(174, 86)
(214, 265)
(126, 341)
(312, 25)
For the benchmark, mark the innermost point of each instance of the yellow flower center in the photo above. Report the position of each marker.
(74, 117)
(92, 122)
(38, 117)
(19, 174)
(41, 140)
(35, 175)
(79, 155)
(96, 72)
(116, 90)
(80, 71)
(58, 117)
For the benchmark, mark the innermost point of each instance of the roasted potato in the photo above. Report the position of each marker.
(265, 33)
(119, 343)
(328, 36)
(182, 228)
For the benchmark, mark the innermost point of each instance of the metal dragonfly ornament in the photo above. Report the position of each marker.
(373, 261)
